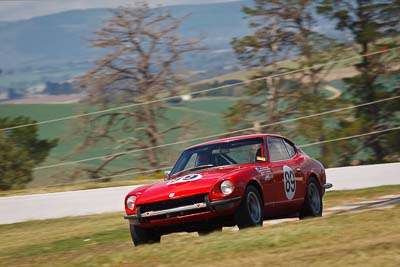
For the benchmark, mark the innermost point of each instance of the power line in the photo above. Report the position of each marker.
(350, 137)
(197, 92)
(220, 134)
(302, 146)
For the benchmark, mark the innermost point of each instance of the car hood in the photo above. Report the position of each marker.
(190, 183)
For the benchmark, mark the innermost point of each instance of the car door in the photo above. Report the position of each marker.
(286, 167)
(266, 179)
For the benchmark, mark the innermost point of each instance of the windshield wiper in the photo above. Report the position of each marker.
(205, 166)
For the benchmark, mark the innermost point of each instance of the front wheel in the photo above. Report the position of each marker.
(251, 211)
(312, 206)
(142, 236)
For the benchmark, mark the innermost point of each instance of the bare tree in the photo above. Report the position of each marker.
(143, 51)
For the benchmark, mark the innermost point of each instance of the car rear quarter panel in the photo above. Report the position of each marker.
(316, 169)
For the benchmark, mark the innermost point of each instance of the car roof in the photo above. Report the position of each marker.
(235, 138)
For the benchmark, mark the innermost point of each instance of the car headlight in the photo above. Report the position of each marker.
(130, 202)
(226, 187)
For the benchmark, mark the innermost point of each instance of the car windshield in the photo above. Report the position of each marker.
(220, 154)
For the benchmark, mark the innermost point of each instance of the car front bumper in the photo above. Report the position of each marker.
(197, 211)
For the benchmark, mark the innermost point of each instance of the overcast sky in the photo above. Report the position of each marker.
(25, 9)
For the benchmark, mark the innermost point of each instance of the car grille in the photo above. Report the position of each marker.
(174, 203)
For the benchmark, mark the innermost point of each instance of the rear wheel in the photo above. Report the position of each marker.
(251, 210)
(312, 206)
(142, 236)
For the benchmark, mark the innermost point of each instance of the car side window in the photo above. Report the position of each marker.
(277, 149)
(290, 148)
(245, 154)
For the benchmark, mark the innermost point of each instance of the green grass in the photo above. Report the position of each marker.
(369, 238)
(336, 198)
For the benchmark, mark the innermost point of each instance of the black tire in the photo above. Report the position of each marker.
(312, 206)
(142, 236)
(251, 211)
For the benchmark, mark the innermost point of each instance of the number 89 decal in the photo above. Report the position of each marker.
(289, 182)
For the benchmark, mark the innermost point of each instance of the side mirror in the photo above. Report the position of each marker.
(166, 175)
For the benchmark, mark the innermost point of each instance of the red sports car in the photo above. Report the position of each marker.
(233, 181)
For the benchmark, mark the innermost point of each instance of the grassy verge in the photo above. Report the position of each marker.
(369, 238)
(336, 198)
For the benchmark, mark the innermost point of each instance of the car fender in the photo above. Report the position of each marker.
(137, 191)
(244, 178)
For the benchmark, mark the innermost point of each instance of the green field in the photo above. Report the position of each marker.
(368, 238)
(206, 117)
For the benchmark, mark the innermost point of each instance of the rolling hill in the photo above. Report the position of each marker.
(56, 47)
